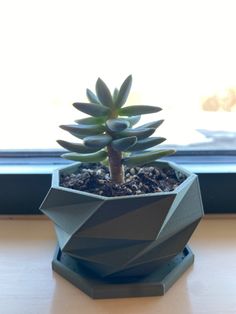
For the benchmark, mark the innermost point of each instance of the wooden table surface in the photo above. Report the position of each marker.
(28, 285)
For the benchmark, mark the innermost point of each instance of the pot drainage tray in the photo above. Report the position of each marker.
(155, 284)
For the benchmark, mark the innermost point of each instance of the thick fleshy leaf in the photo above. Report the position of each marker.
(138, 110)
(77, 147)
(115, 94)
(97, 141)
(140, 133)
(103, 93)
(117, 125)
(124, 92)
(133, 120)
(95, 157)
(154, 124)
(123, 144)
(78, 135)
(95, 110)
(146, 143)
(83, 129)
(92, 97)
(105, 162)
(142, 159)
(91, 120)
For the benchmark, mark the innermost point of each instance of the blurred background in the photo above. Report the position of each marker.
(182, 55)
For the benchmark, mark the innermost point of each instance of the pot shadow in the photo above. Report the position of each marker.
(69, 299)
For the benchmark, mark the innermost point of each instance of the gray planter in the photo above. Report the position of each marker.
(110, 245)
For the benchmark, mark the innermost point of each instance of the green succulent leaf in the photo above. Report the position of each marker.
(117, 125)
(144, 158)
(91, 120)
(115, 94)
(95, 110)
(103, 93)
(123, 144)
(154, 124)
(105, 162)
(78, 135)
(92, 97)
(146, 143)
(94, 157)
(97, 141)
(83, 129)
(111, 124)
(76, 147)
(124, 92)
(133, 120)
(138, 110)
(140, 133)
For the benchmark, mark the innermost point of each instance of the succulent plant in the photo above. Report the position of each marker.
(109, 135)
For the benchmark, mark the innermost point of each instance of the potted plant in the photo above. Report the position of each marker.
(122, 218)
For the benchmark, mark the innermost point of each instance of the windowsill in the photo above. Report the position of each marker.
(207, 287)
(46, 165)
(25, 181)
(48, 169)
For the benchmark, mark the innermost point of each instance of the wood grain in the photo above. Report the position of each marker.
(28, 285)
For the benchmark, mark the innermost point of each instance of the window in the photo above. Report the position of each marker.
(182, 58)
(181, 54)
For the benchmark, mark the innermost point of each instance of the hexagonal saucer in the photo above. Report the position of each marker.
(155, 284)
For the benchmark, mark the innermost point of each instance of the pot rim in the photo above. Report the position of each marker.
(189, 178)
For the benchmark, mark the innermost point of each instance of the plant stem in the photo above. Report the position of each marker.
(115, 165)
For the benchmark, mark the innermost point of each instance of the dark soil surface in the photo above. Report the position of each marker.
(95, 178)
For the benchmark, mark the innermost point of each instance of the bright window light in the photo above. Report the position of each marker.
(181, 55)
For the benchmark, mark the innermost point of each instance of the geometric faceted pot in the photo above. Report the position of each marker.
(123, 246)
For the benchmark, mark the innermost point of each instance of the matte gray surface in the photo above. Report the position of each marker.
(156, 284)
(123, 236)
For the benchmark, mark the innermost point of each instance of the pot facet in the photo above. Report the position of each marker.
(119, 237)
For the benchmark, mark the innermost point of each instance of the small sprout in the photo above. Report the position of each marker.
(108, 134)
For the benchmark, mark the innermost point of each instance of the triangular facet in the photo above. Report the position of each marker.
(179, 196)
(98, 244)
(62, 237)
(71, 218)
(170, 247)
(141, 224)
(189, 209)
(144, 269)
(60, 198)
(95, 268)
(115, 257)
(116, 207)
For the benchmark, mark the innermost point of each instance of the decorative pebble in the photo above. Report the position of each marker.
(132, 171)
(100, 172)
